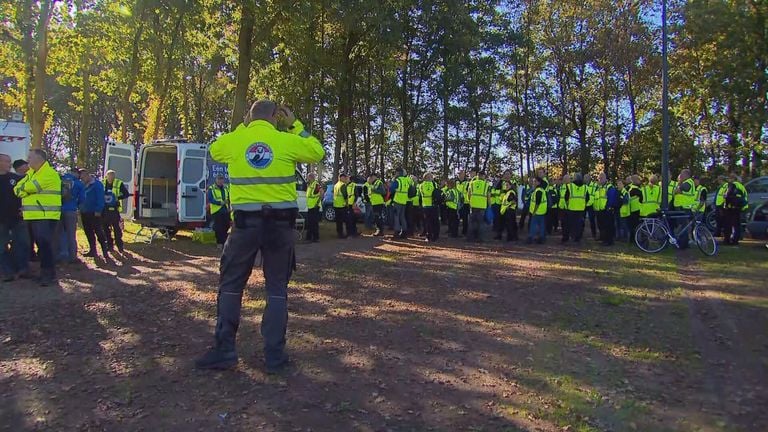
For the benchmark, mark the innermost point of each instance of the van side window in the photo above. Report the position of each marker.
(192, 170)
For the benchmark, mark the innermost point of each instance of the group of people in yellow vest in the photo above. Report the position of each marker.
(569, 203)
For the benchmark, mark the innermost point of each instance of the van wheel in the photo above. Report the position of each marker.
(329, 214)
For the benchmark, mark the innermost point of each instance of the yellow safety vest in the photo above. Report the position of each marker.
(401, 194)
(479, 190)
(509, 201)
(700, 204)
(351, 193)
(338, 195)
(495, 196)
(426, 188)
(561, 194)
(375, 197)
(40, 193)
(115, 189)
(741, 192)
(671, 192)
(651, 200)
(624, 209)
(313, 199)
(218, 196)
(600, 203)
(592, 190)
(542, 210)
(262, 163)
(577, 197)
(720, 197)
(634, 201)
(686, 200)
(452, 198)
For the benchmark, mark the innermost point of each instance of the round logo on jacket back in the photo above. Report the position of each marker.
(259, 155)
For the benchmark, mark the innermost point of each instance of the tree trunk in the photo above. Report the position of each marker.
(126, 117)
(85, 119)
(38, 115)
(244, 57)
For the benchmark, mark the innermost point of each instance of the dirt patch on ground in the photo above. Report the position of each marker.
(388, 335)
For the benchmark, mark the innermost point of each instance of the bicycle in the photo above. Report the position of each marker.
(655, 233)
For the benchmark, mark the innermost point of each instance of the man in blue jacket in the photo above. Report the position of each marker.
(72, 194)
(90, 213)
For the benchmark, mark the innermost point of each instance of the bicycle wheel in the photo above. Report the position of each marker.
(705, 240)
(651, 236)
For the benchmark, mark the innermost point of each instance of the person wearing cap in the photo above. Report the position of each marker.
(115, 192)
(72, 195)
(218, 200)
(261, 157)
(40, 193)
(340, 204)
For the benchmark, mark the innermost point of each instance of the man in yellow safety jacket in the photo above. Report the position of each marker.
(538, 210)
(453, 203)
(650, 204)
(428, 193)
(722, 187)
(261, 156)
(314, 195)
(375, 191)
(351, 204)
(218, 199)
(700, 195)
(340, 205)
(635, 191)
(403, 190)
(685, 199)
(40, 193)
(508, 212)
(736, 200)
(575, 198)
(591, 213)
(479, 198)
(462, 183)
(114, 194)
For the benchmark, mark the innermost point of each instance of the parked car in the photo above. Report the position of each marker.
(328, 211)
(757, 224)
(757, 189)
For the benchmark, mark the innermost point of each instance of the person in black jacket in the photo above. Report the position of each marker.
(14, 234)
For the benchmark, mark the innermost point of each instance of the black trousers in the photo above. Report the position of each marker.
(432, 223)
(633, 221)
(313, 224)
(509, 223)
(410, 221)
(498, 223)
(453, 222)
(731, 225)
(44, 230)
(351, 221)
(552, 221)
(110, 220)
(527, 214)
(275, 240)
(606, 222)
(341, 220)
(574, 225)
(719, 221)
(477, 219)
(94, 231)
(464, 216)
(221, 222)
(378, 217)
(591, 217)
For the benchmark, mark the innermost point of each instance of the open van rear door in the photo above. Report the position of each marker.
(192, 173)
(122, 159)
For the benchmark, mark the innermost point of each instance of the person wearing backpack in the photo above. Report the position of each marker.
(72, 195)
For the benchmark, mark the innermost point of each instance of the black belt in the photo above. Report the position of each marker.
(243, 218)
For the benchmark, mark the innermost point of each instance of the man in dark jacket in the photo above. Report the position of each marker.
(14, 260)
(90, 213)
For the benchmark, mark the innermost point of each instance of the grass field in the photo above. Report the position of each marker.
(402, 336)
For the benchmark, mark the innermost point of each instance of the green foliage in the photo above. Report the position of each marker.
(434, 85)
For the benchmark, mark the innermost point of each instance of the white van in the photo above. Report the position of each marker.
(15, 137)
(170, 180)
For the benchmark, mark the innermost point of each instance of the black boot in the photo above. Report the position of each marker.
(217, 359)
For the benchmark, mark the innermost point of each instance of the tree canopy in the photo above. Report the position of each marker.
(431, 85)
